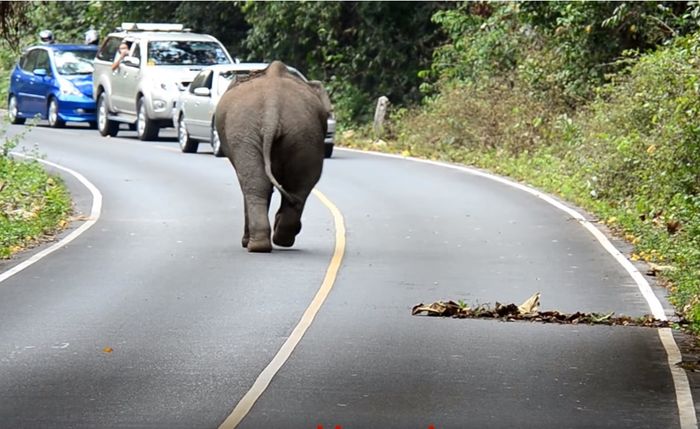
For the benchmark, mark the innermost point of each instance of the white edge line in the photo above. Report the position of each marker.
(684, 397)
(94, 216)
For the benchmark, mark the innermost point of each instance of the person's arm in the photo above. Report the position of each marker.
(118, 60)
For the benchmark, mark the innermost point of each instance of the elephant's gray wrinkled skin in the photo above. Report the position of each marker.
(272, 128)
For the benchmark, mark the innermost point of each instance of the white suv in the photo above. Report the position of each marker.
(162, 60)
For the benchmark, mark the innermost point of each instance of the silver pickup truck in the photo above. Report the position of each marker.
(142, 88)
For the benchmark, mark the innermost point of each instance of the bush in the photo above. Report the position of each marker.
(33, 204)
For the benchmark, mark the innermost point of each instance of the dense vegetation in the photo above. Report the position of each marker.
(594, 101)
(33, 204)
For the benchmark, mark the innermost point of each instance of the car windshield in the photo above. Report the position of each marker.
(225, 77)
(191, 53)
(74, 62)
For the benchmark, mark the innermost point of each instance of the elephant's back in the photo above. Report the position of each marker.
(293, 99)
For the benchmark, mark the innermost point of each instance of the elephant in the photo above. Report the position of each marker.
(272, 126)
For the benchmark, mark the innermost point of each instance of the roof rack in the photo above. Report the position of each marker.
(146, 26)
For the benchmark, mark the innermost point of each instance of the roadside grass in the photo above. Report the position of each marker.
(34, 204)
(631, 158)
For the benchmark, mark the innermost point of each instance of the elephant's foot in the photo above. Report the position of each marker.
(259, 246)
(283, 240)
(285, 232)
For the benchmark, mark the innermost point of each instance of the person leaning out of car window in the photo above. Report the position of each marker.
(123, 52)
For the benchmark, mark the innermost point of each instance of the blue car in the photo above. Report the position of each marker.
(54, 82)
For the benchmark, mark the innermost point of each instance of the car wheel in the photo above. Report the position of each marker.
(187, 143)
(13, 111)
(146, 128)
(328, 151)
(54, 120)
(105, 126)
(216, 141)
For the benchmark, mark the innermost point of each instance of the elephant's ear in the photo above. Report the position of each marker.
(322, 94)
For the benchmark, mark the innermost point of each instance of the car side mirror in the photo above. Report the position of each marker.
(131, 61)
(40, 72)
(202, 91)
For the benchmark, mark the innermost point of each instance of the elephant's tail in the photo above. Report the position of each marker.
(268, 138)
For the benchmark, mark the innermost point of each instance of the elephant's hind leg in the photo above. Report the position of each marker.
(256, 237)
(287, 224)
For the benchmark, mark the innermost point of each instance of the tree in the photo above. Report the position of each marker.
(14, 20)
(361, 50)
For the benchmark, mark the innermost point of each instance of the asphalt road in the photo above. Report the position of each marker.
(155, 317)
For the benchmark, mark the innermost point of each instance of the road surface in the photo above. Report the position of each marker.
(155, 317)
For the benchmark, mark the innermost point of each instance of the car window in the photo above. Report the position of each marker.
(208, 80)
(43, 61)
(185, 52)
(29, 60)
(222, 83)
(137, 52)
(225, 78)
(23, 61)
(74, 62)
(109, 49)
(199, 80)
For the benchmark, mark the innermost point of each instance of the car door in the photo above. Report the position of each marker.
(40, 85)
(131, 77)
(103, 76)
(191, 105)
(200, 109)
(121, 101)
(21, 78)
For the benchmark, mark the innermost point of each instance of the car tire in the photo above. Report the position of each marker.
(105, 126)
(55, 121)
(216, 141)
(13, 111)
(328, 151)
(146, 128)
(187, 143)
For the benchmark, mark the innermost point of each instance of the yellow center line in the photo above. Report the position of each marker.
(265, 377)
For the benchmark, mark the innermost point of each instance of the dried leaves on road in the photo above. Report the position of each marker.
(529, 310)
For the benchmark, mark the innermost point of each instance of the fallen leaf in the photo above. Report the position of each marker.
(531, 305)
(597, 318)
(80, 218)
(437, 308)
(108, 349)
(529, 311)
(672, 226)
(655, 269)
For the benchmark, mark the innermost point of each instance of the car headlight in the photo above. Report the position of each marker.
(67, 88)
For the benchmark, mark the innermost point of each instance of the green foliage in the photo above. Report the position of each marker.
(361, 50)
(642, 144)
(33, 204)
(560, 50)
